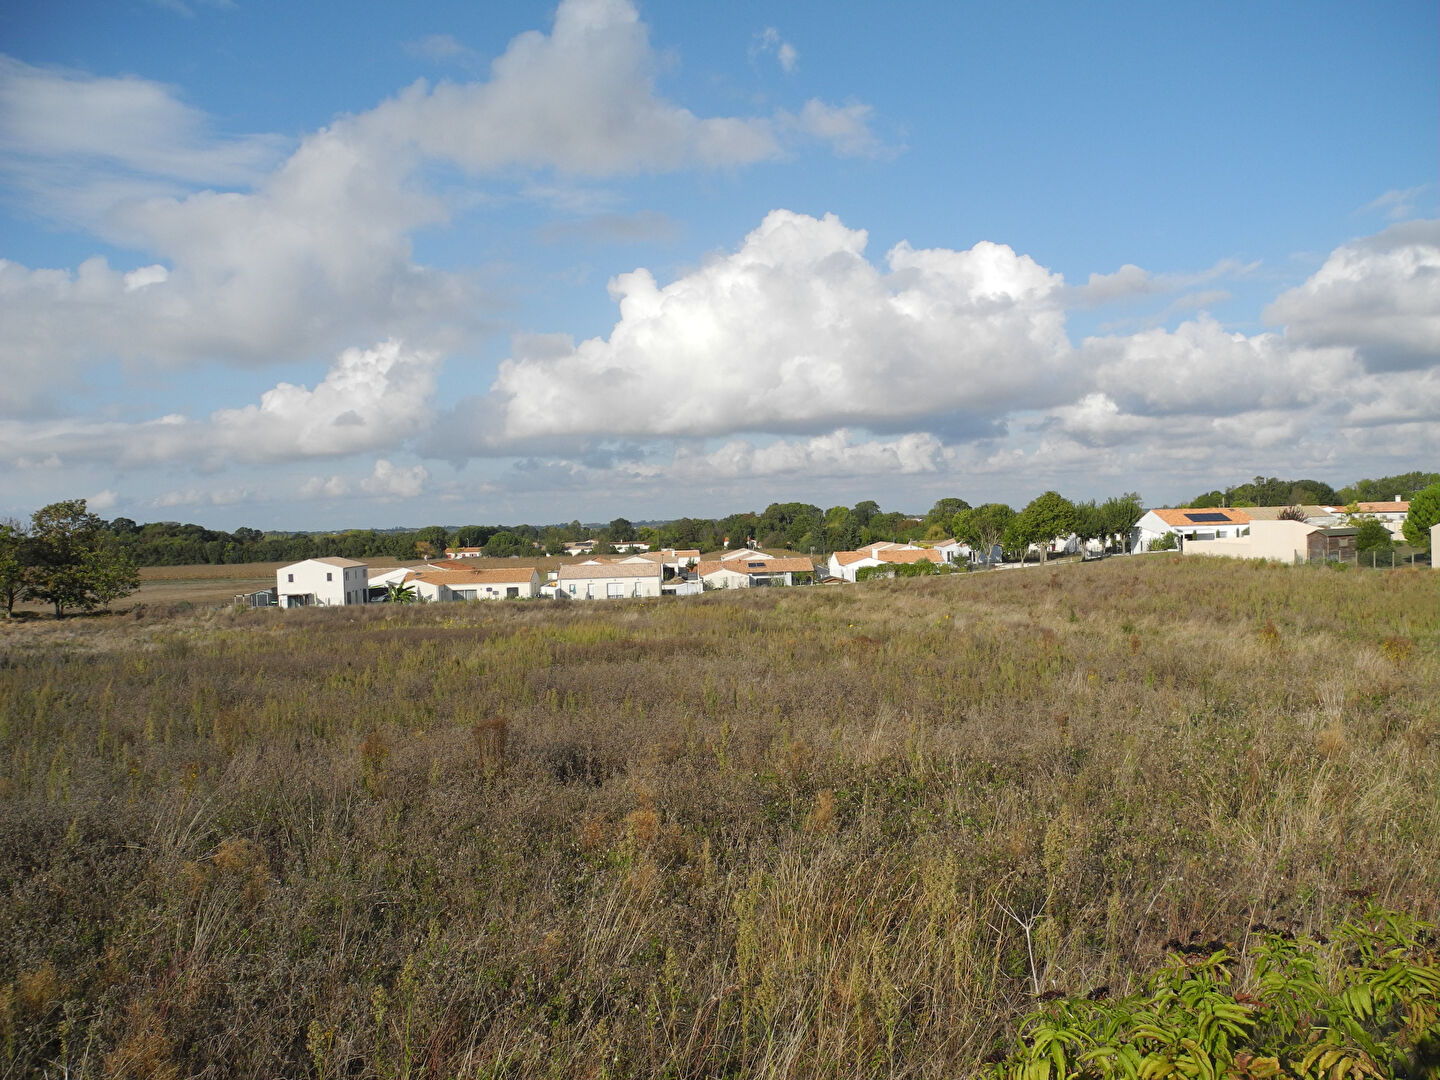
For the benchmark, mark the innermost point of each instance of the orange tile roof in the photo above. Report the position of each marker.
(1177, 517)
(798, 564)
(1383, 507)
(902, 556)
(845, 558)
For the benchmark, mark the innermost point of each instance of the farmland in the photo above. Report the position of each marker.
(766, 833)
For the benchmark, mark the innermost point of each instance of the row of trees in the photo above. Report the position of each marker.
(64, 556)
(1051, 515)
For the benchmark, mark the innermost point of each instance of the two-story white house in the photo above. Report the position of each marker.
(327, 582)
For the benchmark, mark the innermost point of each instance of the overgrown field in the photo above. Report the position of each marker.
(777, 833)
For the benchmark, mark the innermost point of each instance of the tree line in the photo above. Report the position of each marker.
(1270, 491)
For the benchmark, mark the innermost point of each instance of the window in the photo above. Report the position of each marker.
(289, 577)
(572, 590)
(329, 576)
(614, 588)
(515, 591)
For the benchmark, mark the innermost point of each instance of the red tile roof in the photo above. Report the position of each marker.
(1178, 517)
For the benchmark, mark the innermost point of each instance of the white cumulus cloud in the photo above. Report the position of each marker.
(1377, 295)
(370, 399)
(798, 330)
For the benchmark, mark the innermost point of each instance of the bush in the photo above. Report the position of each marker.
(1163, 543)
(1364, 1005)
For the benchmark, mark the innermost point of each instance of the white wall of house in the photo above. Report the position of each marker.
(1435, 544)
(724, 577)
(322, 583)
(597, 585)
(847, 571)
(1282, 541)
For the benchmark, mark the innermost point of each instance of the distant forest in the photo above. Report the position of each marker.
(797, 526)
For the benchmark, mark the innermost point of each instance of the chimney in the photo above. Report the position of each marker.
(1398, 499)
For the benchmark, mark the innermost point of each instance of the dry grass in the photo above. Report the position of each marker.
(746, 834)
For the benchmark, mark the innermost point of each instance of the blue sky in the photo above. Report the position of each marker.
(328, 265)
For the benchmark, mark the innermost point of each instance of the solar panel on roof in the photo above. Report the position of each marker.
(1208, 517)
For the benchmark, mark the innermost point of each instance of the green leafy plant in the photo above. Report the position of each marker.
(1364, 1005)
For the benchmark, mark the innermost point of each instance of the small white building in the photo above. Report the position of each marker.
(1211, 524)
(609, 581)
(464, 552)
(322, 583)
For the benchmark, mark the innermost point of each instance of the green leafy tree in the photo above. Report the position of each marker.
(944, 511)
(1046, 518)
(864, 511)
(1120, 515)
(621, 531)
(72, 562)
(12, 567)
(1424, 512)
(505, 544)
(1089, 521)
(1373, 535)
(982, 527)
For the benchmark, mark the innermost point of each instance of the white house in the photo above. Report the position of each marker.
(501, 584)
(1282, 541)
(609, 581)
(322, 583)
(847, 564)
(1212, 524)
(750, 573)
(1393, 514)
(953, 551)
(675, 560)
(464, 552)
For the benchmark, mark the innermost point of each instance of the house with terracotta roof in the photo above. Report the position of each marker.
(752, 573)
(609, 581)
(507, 583)
(847, 564)
(1211, 524)
(1391, 514)
(327, 582)
(464, 552)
